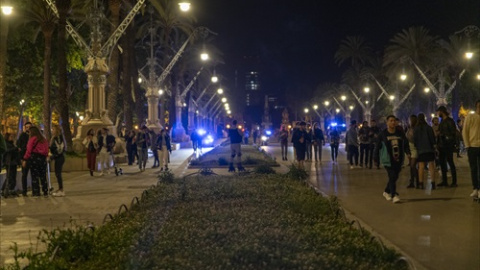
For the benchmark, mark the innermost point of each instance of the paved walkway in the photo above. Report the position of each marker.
(87, 201)
(437, 229)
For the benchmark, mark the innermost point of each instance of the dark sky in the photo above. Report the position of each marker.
(295, 40)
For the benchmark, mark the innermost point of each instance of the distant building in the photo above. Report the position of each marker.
(252, 89)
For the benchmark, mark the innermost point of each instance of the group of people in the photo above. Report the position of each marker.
(33, 153)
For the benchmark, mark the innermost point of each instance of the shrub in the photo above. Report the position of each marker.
(166, 177)
(248, 160)
(296, 173)
(264, 169)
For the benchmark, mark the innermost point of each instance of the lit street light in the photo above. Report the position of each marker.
(306, 110)
(184, 6)
(7, 10)
(326, 103)
(224, 100)
(204, 56)
(392, 97)
(315, 107)
(403, 77)
(426, 90)
(469, 55)
(214, 79)
(343, 97)
(366, 90)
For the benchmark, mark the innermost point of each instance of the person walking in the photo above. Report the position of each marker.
(471, 139)
(194, 137)
(11, 159)
(246, 135)
(91, 144)
(164, 149)
(334, 143)
(235, 135)
(57, 149)
(22, 145)
(373, 133)
(131, 146)
(36, 158)
(255, 135)
(352, 143)
(143, 142)
(391, 147)
(106, 142)
(299, 140)
(318, 142)
(425, 144)
(364, 140)
(413, 150)
(446, 146)
(153, 147)
(284, 141)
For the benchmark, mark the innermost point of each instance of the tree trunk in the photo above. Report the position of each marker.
(112, 81)
(63, 7)
(3, 62)
(127, 80)
(47, 79)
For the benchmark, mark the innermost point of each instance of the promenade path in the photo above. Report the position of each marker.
(437, 229)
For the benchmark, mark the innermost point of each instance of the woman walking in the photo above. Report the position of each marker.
(425, 143)
(36, 157)
(57, 148)
(334, 143)
(12, 160)
(413, 157)
(91, 144)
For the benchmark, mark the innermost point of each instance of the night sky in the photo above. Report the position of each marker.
(295, 40)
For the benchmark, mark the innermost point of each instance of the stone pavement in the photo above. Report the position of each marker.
(437, 229)
(87, 201)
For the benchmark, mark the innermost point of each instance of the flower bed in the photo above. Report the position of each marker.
(222, 222)
(219, 157)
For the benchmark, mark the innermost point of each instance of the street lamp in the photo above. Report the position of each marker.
(343, 97)
(160, 92)
(351, 107)
(337, 110)
(403, 77)
(426, 90)
(184, 6)
(366, 90)
(224, 100)
(478, 77)
(204, 56)
(7, 9)
(306, 110)
(392, 97)
(214, 79)
(220, 91)
(315, 107)
(326, 103)
(469, 55)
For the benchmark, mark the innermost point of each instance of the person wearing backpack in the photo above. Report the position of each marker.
(57, 149)
(391, 147)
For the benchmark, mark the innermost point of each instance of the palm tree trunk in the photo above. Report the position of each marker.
(127, 80)
(47, 79)
(3, 61)
(63, 9)
(112, 94)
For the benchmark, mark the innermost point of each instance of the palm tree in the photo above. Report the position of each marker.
(64, 8)
(354, 49)
(112, 81)
(38, 12)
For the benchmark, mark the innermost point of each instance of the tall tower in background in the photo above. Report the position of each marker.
(252, 88)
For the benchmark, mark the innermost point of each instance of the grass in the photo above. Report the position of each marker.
(222, 222)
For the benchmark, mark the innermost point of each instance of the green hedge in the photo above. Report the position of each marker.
(222, 222)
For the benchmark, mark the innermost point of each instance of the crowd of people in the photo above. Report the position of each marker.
(426, 147)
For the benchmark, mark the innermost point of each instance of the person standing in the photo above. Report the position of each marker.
(446, 146)
(91, 144)
(318, 142)
(246, 135)
(391, 147)
(153, 147)
(308, 143)
(299, 140)
(164, 148)
(436, 132)
(284, 141)
(255, 135)
(131, 146)
(235, 135)
(364, 143)
(11, 159)
(143, 142)
(57, 149)
(373, 137)
(426, 145)
(413, 150)
(471, 139)
(106, 143)
(22, 145)
(36, 157)
(352, 143)
(334, 143)
(194, 138)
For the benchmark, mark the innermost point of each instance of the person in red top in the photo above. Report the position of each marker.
(36, 156)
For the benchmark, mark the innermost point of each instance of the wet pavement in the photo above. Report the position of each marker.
(435, 229)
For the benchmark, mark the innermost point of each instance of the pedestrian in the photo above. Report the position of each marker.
(391, 147)
(22, 145)
(194, 138)
(11, 159)
(364, 140)
(446, 141)
(471, 138)
(3, 148)
(91, 144)
(164, 149)
(425, 144)
(235, 135)
(459, 142)
(57, 149)
(318, 142)
(308, 143)
(352, 143)
(153, 148)
(334, 143)
(255, 135)
(246, 135)
(436, 131)
(36, 158)
(299, 140)
(143, 143)
(284, 141)
(373, 133)
(131, 146)
(413, 150)
(106, 142)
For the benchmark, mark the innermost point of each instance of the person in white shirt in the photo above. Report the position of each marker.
(471, 139)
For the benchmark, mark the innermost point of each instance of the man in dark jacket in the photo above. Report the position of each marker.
(391, 147)
(364, 139)
(447, 138)
(300, 144)
(22, 145)
(235, 135)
